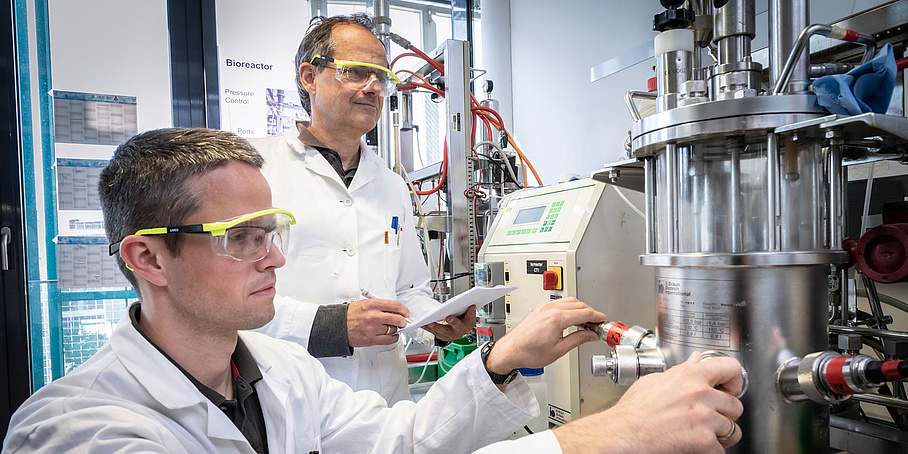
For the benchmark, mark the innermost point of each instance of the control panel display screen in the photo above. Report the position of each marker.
(528, 215)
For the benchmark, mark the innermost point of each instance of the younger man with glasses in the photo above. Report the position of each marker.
(362, 235)
(193, 220)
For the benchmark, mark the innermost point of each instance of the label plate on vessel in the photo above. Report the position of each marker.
(699, 312)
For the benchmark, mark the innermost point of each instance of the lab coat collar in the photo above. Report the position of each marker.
(302, 141)
(369, 167)
(163, 381)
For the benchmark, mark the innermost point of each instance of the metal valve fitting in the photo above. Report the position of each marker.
(626, 364)
(824, 377)
(617, 333)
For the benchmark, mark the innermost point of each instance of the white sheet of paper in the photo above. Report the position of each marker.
(480, 296)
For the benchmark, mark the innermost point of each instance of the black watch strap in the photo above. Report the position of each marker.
(497, 379)
(441, 343)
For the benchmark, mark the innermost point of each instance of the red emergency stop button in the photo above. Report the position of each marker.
(549, 280)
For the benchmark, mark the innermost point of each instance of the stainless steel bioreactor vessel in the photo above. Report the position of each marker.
(744, 210)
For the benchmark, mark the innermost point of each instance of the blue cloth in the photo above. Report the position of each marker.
(867, 88)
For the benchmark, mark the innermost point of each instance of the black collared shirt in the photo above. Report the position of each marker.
(244, 410)
(334, 159)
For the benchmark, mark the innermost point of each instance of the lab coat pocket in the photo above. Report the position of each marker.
(392, 262)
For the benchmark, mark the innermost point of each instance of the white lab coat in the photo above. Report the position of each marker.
(338, 247)
(130, 398)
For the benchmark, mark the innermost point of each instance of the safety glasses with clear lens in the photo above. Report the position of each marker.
(359, 75)
(247, 238)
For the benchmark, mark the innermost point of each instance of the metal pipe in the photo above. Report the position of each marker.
(883, 333)
(786, 20)
(382, 17)
(773, 191)
(875, 308)
(881, 400)
(734, 28)
(734, 49)
(836, 214)
(671, 180)
(649, 184)
(874, 157)
(734, 145)
(631, 106)
(697, 183)
(833, 32)
(826, 69)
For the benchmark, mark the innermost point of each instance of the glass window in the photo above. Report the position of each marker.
(95, 101)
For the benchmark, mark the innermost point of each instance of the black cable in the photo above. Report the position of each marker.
(874, 371)
(527, 428)
(457, 276)
(872, 343)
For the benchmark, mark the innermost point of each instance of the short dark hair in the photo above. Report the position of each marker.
(148, 182)
(318, 40)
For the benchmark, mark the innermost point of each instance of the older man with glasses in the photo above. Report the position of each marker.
(363, 235)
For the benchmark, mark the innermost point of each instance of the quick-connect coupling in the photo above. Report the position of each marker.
(626, 364)
(825, 377)
(617, 333)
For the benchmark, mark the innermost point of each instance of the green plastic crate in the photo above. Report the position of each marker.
(413, 373)
(453, 353)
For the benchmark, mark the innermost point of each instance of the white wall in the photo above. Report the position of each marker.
(118, 47)
(496, 51)
(565, 123)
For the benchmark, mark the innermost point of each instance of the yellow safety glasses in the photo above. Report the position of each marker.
(359, 75)
(246, 238)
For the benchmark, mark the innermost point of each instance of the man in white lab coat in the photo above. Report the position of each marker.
(191, 220)
(362, 235)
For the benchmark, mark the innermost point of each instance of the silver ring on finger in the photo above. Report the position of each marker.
(731, 432)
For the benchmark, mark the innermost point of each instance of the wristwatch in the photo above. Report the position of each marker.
(498, 379)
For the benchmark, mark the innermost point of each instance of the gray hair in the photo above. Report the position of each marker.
(148, 182)
(318, 40)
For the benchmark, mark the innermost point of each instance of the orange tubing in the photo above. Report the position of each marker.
(427, 87)
(405, 54)
(442, 173)
(483, 111)
(413, 73)
(486, 109)
(438, 66)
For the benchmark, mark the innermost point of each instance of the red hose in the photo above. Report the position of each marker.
(427, 87)
(486, 109)
(429, 60)
(442, 173)
(901, 63)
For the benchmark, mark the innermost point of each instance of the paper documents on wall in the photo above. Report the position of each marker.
(480, 296)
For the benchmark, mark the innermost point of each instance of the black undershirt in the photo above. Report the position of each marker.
(244, 410)
(334, 159)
